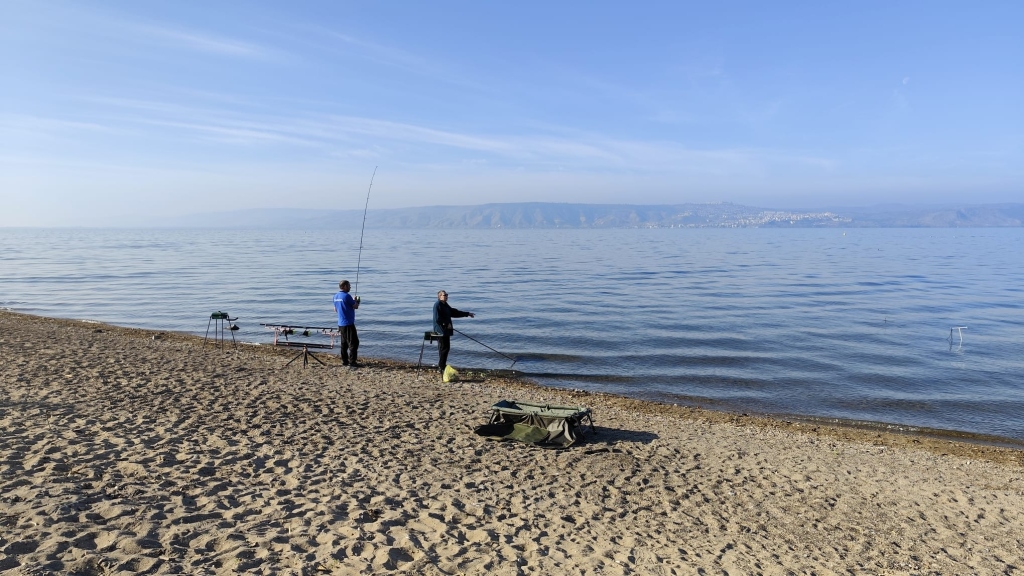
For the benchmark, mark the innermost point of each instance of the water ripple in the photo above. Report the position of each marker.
(806, 322)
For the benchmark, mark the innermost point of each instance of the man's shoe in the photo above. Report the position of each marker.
(355, 365)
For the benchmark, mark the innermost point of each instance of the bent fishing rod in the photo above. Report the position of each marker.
(514, 360)
(359, 260)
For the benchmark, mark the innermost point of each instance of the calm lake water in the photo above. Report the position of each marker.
(852, 325)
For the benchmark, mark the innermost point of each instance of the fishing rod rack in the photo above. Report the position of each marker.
(283, 331)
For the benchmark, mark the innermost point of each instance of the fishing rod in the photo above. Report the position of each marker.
(360, 259)
(514, 360)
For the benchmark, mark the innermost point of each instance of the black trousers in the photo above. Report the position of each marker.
(349, 343)
(444, 346)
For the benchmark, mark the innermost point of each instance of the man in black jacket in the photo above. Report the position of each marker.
(443, 314)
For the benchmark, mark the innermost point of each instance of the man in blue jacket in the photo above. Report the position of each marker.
(345, 305)
(443, 314)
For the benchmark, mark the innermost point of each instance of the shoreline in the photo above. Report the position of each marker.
(135, 451)
(838, 427)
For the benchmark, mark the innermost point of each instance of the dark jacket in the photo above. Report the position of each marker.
(443, 314)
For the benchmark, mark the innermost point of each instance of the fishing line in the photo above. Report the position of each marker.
(514, 360)
(360, 259)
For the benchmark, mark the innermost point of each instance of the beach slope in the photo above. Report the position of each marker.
(125, 451)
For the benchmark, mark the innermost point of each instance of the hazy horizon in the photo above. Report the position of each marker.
(592, 215)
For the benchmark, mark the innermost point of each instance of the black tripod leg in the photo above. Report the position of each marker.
(294, 358)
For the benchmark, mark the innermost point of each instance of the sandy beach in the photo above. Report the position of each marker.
(126, 451)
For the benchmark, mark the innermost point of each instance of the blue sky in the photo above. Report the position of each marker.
(123, 110)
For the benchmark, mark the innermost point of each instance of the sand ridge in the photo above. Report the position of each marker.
(125, 453)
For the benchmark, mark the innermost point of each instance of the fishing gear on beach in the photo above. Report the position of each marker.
(359, 260)
(514, 360)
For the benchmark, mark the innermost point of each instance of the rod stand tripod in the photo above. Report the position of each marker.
(286, 329)
(305, 354)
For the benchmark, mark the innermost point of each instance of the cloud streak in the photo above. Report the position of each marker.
(409, 143)
(200, 42)
(78, 20)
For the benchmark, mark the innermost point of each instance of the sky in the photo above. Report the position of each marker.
(122, 111)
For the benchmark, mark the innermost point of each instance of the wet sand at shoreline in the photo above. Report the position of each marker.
(125, 453)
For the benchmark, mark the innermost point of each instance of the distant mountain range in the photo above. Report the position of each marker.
(554, 215)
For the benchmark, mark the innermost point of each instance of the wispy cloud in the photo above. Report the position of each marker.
(327, 41)
(409, 133)
(233, 134)
(201, 42)
(384, 54)
(22, 132)
(140, 31)
(332, 135)
(29, 123)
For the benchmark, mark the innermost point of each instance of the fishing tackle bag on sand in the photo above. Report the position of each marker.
(542, 424)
